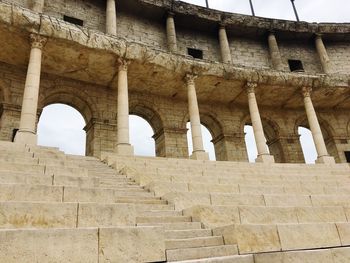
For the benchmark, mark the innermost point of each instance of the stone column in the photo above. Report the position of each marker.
(38, 6)
(123, 144)
(322, 153)
(224, 45)
(111, 18)
(322, 53)
(171, 33)
(263, 153)
(274, 52)
(197, 140)
(27, 127)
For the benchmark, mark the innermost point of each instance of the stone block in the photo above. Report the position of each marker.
(341, 255)
(307, 256)
(49, 245)
(214, 216)
(251, 238)
(31, 193)
(237, 199)
(320, 214)
(74, 194)
(307, 236)
(161, 188)
(132, 244)
(106, 215)
(213, 188)
(287, 200)
(344, 233)
(183, 200)
(38, 215)
(267, 215)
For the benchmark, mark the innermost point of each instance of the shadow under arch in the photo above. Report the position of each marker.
(327, 132)
(272, 134)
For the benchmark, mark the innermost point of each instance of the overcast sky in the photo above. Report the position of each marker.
(62, 126)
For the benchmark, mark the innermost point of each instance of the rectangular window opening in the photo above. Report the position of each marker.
(347, 156)
(73, 20)
(295, 65)
(195, 53)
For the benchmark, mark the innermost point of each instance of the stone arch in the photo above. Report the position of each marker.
(327, 132)
(272, 135)
(215, 128)
(71, 97)
(148, 111)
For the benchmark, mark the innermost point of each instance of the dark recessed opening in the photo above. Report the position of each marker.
(73, 20)
(14, 132)
(295, 65)
(196, 53)
(347, 156)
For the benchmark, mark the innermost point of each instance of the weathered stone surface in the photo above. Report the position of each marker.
(53, 245)
(130, 244)
(306, 236)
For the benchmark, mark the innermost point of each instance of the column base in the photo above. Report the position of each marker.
(265, 158)
(325, 160)
(125, 149)
(26, 137)
(200, 156)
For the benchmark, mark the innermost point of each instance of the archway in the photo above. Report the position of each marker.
(271, 132)
(307, 145)
(207, 141)
(327, 133)
(62, 126)
(141, 133)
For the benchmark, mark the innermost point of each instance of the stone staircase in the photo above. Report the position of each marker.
(49, 198)
(273, 213)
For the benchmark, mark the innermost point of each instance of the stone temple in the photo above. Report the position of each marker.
(171, 62)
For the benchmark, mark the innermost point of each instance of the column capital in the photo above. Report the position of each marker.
(190, 78)
(251, 86)
(222, 25)
(318, 35)
(306, 91)
(37, 41)
(123, 64)
(170, 14)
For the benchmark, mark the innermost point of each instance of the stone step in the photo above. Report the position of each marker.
(163, 219)
(175, 226)
(161, 213)
(201, 252)
(141, 201)
(209, 241)
(191, 233)
(20, 178)
(70, 215)
(25, 168)
(228, 259)
(18, 160)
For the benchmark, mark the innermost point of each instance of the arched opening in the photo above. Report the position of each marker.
(250, 143)
(141, 136)
(327, 133)
(307, 145)
(207, 141)
(62, 126)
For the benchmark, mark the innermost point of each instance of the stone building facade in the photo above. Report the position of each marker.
(166, 61)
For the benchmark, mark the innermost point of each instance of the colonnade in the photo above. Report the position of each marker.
(27, 129)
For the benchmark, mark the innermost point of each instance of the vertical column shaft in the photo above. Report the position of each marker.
(111, 18)
(197, 139)
(224, 45)
(314, 124)
(38, 6)
(171, 33)
(274, 52)
(322, 53)
(123, 103)
(256, 120)
(27, 126)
